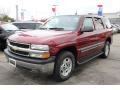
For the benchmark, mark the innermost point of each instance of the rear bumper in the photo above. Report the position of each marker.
(28, 59)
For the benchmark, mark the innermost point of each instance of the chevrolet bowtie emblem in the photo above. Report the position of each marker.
(15, 48)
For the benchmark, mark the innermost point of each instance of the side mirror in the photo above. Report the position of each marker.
(87, 29)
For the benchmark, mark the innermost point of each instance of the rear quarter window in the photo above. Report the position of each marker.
(107, 23)
(98, 23)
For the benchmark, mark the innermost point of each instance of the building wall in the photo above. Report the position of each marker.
(112, 15)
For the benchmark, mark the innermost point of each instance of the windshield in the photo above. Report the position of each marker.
(62, 23)
(9, 27)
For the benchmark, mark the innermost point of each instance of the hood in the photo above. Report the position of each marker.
(43, 33)
(39, 36)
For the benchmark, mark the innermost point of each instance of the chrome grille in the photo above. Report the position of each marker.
(19, 52)
(21, 45)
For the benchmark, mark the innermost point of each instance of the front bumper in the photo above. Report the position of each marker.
(28, 59)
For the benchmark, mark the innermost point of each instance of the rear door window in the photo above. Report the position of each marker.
(107, 23)
(98, 23)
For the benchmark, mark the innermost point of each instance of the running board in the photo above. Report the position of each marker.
(89, 59)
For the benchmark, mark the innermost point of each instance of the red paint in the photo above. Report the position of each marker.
(58, 40)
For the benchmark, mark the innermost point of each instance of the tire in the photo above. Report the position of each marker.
(2, 48)
(106, 50)
(64, 66)
(3, 45)
(118, 31)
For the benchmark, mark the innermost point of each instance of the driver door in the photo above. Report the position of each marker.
(87, 40)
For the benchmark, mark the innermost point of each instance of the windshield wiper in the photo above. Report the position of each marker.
(43, 28)
(56, 28)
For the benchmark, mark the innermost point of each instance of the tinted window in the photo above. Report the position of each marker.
(9, 27)
(26, 25)
(38, 25)
(98, 23)
(65, 22)
(88, 22)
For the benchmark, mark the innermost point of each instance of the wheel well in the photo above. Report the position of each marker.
(71, 49)
(109, 39)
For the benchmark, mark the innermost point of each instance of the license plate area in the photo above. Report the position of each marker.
(12, 62)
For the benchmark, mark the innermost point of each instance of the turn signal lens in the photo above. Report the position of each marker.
(45, 55)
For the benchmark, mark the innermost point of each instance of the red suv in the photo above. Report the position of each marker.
(65, 40)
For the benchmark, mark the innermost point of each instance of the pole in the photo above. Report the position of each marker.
(55, 13)
(17, 13)
(76, 13)
(22, 14)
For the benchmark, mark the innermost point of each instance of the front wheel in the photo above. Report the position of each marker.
(64, 66)
(106, 50)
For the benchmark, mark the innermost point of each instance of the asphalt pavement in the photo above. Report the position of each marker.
(96, 72)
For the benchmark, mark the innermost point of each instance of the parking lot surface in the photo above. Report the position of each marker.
(98, 71)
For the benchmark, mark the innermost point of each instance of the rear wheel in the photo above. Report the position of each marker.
(106, 50)
(64, 66)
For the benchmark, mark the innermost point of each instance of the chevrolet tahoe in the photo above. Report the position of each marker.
(65, 40)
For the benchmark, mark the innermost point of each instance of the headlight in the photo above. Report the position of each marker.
(43, 48)
(40, 47)
(8, 43)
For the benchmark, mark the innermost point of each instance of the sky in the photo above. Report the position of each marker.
(38, 9)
